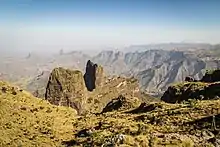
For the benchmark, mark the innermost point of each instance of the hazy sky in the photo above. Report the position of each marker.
(90, 24)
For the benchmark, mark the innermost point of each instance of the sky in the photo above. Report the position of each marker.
(92, 24)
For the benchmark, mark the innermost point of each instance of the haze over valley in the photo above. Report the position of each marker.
(155, 66)
(123, 73)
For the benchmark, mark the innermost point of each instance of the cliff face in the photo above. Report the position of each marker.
(91, 92)
(93, 76)
(89, 76)
(99, 74)
(66, 88)
(156, 70)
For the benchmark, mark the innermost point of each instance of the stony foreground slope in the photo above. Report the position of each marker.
(160, 124)
(115, 113)
(29, 121)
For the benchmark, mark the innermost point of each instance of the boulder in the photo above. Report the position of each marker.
(66, 88)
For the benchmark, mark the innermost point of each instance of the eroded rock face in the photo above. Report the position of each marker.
(70, 88)
(66, 88)
(99, 76)
(93, 76)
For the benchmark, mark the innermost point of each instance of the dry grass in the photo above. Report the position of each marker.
(28, 121)
(164, 126)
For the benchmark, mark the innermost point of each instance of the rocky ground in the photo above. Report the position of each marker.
(156, 124)
(113, 112)
(29, 121)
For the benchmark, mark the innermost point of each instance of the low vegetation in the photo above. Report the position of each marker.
(166, 125)
(116, 113)
(29, 121)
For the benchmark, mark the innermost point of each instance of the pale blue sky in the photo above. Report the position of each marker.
(91, 24)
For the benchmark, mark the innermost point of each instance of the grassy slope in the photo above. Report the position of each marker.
(164, 126)
(28, 121)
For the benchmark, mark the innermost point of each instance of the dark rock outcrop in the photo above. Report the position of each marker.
(189, 79)
(66, 88)
(143, 108)
(69, 88)
(211, 76)
(115, 104)
(191, 90)
(93, 76)
(207, 88)
(121, 103)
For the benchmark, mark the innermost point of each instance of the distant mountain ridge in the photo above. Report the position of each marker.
(169, 46)
(155, 69)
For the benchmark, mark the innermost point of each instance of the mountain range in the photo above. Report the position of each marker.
(93, 109)
(155, 69)
(79, 100)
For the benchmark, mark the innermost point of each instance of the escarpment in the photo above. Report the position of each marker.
(90, 92)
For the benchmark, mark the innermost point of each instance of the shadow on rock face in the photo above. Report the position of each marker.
(90, 75)
(211, 76)
(115, 104)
